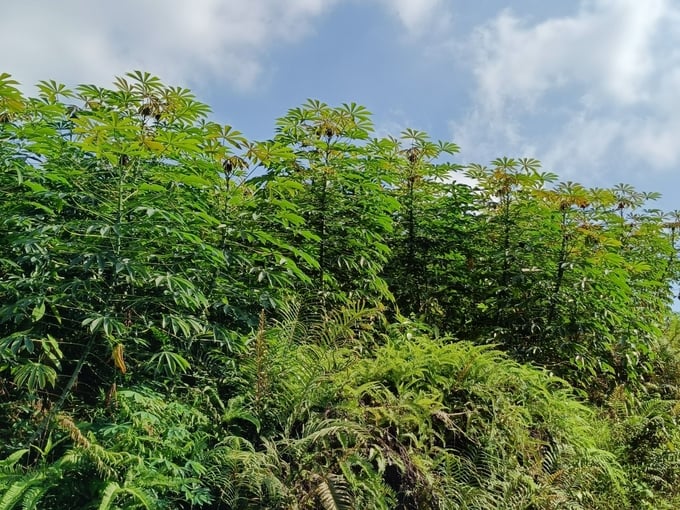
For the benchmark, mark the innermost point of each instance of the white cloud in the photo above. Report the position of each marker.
(187, 42)
(420, 16)
(605, 48)
(655, 141)
(587, 89)
(583, 142)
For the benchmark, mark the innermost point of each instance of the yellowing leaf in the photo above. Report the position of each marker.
(117, 356)
(153, 145)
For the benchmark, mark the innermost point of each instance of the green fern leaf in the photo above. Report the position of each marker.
(7, 464)
(141, 496)
(16, 492)
(110, 492)
(33, 497)
(333, 493)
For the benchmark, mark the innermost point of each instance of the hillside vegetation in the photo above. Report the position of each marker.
(327, 319)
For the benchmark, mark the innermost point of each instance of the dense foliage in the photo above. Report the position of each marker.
(325, 319)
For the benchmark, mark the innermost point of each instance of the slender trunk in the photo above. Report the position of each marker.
(322, 226)
(505, 274)
(411, 255)
(64, 394)
(322, 231)
(559, 275)
(119, 210)
(505, 246)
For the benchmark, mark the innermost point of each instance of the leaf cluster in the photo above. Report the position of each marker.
(190, 319)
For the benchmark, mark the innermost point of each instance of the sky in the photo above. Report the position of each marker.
(589, 87)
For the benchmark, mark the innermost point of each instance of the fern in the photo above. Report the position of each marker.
(333, 492)
(21, 490)
(113, 490)
(140, 496)
(8, 464)
(32, 498)
(108, 495)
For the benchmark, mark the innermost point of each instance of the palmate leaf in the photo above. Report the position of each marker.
(34, 376)
(51, 90)
(17, 342)
(186, 326)
(169, 363)
(108, 325)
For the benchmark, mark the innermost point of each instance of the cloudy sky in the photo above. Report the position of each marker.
(589, 87)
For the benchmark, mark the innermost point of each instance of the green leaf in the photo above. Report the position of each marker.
(35, 187)
(38, 311)
(34, 376)
(7, 464)
(169, 363)
(110, 492)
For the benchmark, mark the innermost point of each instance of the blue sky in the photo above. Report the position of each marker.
(589, 87)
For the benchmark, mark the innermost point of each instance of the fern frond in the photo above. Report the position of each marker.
(108, 495)
(333, 492)
(140, 495)
(293, 326)
(33, 497)
(20, 489)
(7, 465)
(351, 324)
